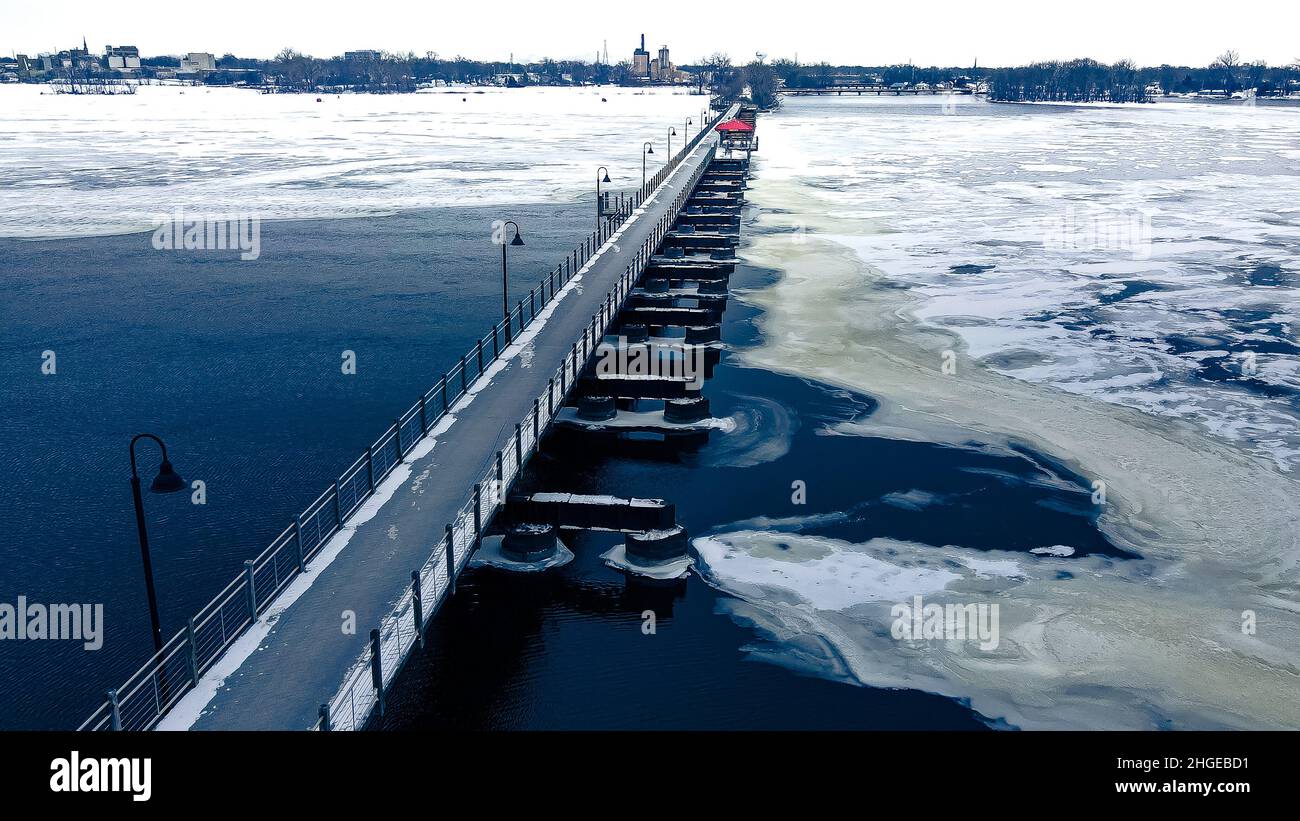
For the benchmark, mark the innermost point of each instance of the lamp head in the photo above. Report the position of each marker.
(167, 480)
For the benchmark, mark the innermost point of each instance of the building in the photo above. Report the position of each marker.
(641, 62)
(73, 58)
(122, 58)
(662, 69)
(361, 56)
(657, 70)
(197, 62)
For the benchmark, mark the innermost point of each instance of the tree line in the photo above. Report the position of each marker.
(1078, 81)
(291, 70)
(294, 71)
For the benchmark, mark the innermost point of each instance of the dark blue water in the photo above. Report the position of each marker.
(236, 365)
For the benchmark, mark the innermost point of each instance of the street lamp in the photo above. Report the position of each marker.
(167, 481)
(505, 285)
(600, 204)
(672, 132)
(646, 148)
(686, 130)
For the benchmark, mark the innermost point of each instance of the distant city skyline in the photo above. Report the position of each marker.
(950, 33)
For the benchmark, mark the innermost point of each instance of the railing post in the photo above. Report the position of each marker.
(500, 475)
(338, 506)
(116, 712)
(418, 607)
(370, 466)
(377, 669)
(297, 535)
(397, 428)
(192, 655)
(519, 448)
(464, 385)
(550, 398)
(424, 422)
(252, 589)
(478, 516)
(326, 725)
(536, 422)
(532, 305)
(451, 563)
(445, 408)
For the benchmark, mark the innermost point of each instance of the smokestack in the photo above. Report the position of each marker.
(643, 42)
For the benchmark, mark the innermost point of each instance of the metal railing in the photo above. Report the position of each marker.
(146, 696)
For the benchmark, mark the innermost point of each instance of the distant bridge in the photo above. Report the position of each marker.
(877, 89)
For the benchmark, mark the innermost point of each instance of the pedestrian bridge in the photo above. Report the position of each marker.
(384, 544)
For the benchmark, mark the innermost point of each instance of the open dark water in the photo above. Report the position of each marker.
(236, 365)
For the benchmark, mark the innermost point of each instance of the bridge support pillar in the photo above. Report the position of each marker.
(326, 723)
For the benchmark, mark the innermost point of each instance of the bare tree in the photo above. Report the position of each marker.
(1227, 65)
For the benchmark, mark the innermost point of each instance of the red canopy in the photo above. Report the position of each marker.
(735, 125)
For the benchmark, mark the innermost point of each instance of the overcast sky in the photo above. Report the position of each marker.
(942, 32)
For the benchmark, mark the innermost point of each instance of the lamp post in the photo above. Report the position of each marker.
(505, 283)
(672, 132)
(167, 481)
(686, 129)
(646, 148)
(600, 203)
